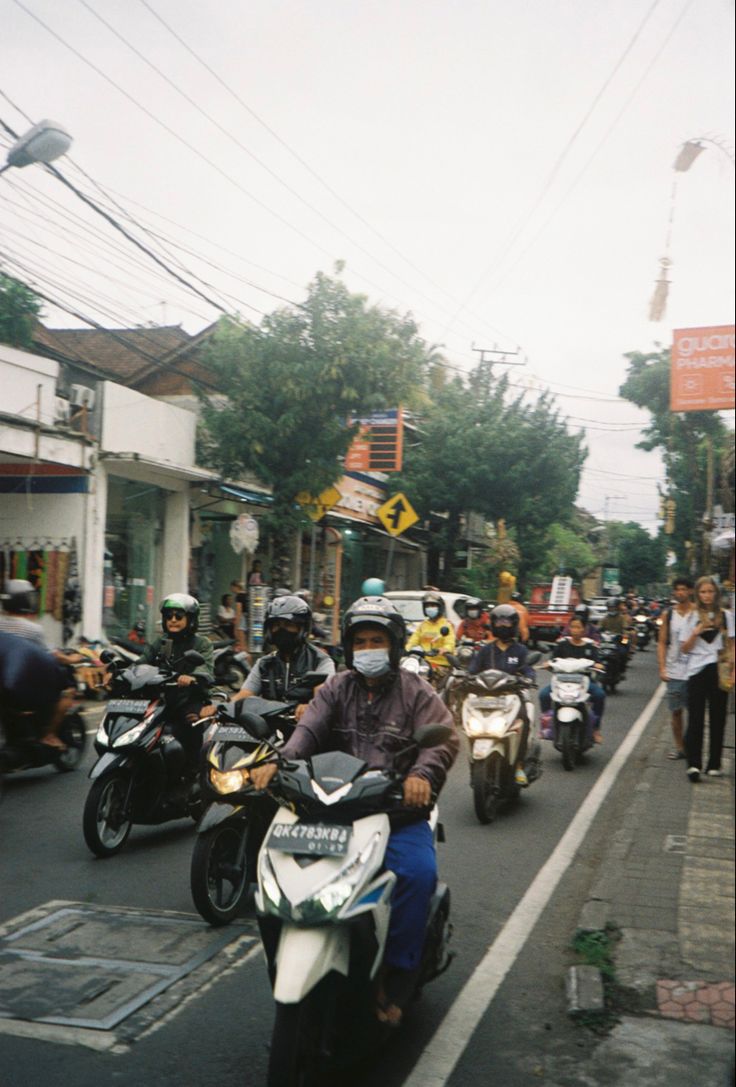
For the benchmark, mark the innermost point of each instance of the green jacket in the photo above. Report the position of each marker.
(179, 646)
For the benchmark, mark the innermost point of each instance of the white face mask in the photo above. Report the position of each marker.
(473, 613)
(431, 613)
(371, 662)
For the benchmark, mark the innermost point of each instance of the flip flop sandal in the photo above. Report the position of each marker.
(675, 755)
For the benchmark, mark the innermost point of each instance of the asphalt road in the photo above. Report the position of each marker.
(220, 1033)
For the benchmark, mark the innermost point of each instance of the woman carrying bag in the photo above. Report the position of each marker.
(706, 637)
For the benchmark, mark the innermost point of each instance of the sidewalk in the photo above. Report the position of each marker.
(666, 885)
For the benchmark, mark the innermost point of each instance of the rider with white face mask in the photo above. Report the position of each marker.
(434, 635)
(371, 711)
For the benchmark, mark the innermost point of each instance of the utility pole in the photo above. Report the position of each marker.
(708, 515)
(491, 356)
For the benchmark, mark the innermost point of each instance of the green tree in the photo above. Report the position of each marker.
(481, 451)
(19, 311)
(292, 383)
(641, 558)
(568, 552)
(683, 439)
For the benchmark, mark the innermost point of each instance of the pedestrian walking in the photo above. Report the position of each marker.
(672, 662)
(708, 633)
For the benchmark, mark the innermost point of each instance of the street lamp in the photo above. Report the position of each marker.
(43, 143)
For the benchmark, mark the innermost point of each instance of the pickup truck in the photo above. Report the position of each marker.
(546, 620)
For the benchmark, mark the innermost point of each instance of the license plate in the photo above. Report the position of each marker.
(127, 705)
(315, 839)
(231, 733)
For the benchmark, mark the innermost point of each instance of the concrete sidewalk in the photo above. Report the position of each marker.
(666, 885)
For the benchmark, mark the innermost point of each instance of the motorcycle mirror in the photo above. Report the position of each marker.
(534, 657)
(107, 656)
(193, 657)
(432, 735)
(444, 631)
(256, 725)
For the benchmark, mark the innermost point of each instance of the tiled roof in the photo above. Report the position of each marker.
(120, 354)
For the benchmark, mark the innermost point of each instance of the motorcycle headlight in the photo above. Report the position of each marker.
(269, 885)
(568, 693)
(131, 735)
(474, 726)
(333, 895)
(101, 737)
(228, 781)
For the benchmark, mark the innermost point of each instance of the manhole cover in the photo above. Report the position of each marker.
(91, 967)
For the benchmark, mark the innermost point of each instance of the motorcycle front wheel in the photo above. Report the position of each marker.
(105, 822)
(218, 877)
(297, 1058)
(484, 779)
(72, 734)
(567, 747)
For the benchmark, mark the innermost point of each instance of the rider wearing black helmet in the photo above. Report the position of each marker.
(371, 711)
(506, 654)
(434, 635)
(179, 623)
(286, 629)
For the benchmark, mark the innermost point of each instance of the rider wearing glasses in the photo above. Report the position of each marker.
(179, 621)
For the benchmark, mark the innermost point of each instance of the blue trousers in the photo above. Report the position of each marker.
(597, 699)
(411, 855)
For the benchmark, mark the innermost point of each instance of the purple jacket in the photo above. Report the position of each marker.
(374, 723)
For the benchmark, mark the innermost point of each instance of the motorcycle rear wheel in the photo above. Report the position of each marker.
(218, 886)
(235, 677)
(483, 777)
(105, 828)
(566, 747)
(73, 734)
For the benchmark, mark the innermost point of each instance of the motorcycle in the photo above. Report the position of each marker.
(141, 774)
(21, 747)
(613, 655)
(642, 630)
(232, 827)
(573, 720)
(324, 900)
(494, 705)
(229, 664)
(416, 661)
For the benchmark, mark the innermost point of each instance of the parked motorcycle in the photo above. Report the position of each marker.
(573, 720)
(232, 828)
(324, 897)
(612, 653)
(494, 706)
(141, 774)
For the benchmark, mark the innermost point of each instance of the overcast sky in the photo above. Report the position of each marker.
(500, 168)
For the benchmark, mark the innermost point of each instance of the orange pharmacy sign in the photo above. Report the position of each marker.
(702, 374)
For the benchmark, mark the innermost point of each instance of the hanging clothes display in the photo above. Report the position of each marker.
(72, 601)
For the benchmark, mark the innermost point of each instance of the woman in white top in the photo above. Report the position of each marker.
(705, 632)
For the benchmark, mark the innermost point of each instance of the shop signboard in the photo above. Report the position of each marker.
(702, 374)
(378, 445)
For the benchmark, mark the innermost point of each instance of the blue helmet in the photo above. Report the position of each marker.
(373, 586)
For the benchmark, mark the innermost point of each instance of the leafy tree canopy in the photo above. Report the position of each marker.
(641, 558)
(481, 451)
(682, 438)
(19, 309)
(293, 381)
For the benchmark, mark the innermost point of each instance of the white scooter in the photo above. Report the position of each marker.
(573, 720)
(324, 900)
(494, 706)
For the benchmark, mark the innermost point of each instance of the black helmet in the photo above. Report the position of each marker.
(581, 612)
(375, 611)
(181, 602)
(20, 598)
(612, 603)
(291, 609)
(505, 622)
(473, 603)
(433, 600)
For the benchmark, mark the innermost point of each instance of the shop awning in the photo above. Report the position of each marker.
(163, 468)
(258, 498)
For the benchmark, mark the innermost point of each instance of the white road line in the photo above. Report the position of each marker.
(437, 1062)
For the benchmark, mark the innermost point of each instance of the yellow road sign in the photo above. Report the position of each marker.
(396, 514)
(317, 507)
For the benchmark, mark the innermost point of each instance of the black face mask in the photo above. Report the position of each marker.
(286, 641)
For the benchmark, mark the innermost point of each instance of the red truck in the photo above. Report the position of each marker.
(551, 606)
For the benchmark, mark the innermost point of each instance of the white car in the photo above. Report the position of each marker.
(598, 609)
(409, 603)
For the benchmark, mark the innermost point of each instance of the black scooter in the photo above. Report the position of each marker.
(21, 747)
(142, 774)
(231, 830)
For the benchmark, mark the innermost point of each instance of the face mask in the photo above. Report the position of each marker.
(473, 613)
(285, 641)
(431, 613)
(371, 662)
